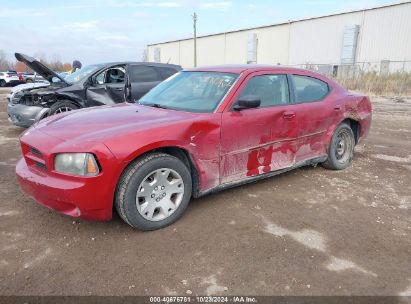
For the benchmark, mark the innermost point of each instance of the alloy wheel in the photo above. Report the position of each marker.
(62, 110)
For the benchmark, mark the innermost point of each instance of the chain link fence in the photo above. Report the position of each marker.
(385, 77)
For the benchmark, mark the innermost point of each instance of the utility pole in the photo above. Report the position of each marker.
(195, 38)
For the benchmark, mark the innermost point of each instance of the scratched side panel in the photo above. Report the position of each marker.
(353, 106)
(314, 119)
(256, 141)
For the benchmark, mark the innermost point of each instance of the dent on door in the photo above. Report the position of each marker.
(108, 88)
(99, 97)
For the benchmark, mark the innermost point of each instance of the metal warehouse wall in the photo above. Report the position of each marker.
(385, 33)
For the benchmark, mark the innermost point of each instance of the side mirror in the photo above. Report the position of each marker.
(91, 80)
(247, 102)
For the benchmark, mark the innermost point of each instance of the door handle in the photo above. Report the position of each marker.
(117, 89)
(288, 115)
(337, 107)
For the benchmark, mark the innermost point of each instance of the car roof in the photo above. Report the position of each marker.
(140, 63)
(240, 68)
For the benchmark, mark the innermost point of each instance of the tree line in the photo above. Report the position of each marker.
(54, 63)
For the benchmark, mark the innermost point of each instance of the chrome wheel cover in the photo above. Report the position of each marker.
(159, 194)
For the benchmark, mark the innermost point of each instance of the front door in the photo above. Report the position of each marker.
(108, 87)
(259, 140)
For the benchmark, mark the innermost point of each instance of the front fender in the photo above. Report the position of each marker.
(156, 145)
(72, 97)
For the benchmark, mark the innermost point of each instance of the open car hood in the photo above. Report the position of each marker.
(38, 67)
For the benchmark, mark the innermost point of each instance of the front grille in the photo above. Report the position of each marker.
(34, 157)
(40, 165)
(36, 152)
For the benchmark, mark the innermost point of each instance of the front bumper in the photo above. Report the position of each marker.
(24, 116)
(77, 197)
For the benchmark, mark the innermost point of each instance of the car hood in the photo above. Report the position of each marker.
(104, 122)
(38, 67)
(28, 86)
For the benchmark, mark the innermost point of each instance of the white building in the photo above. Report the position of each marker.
(379, 35)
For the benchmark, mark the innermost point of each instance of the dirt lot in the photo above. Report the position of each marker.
(307, 232)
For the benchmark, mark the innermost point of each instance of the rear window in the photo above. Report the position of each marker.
(309, 89)
(143, 73)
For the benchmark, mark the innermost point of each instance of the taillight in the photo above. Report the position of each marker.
(20, 77)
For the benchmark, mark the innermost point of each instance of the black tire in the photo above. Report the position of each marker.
(62, 106)
(131, 180)
(2, 83)
(29, 80)
(341, 148)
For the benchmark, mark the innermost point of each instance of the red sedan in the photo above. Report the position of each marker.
(199, 131)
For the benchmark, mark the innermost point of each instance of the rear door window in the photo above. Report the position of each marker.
(143, 73)
(166, 72)
(308, 89)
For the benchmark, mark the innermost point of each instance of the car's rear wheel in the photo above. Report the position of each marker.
(154, 191)
(62, 107)
(341, 148)
(29, 80)
(2, 83)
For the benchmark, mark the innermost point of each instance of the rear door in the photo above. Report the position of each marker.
(259, 140)
(314, 116)
(166, 72)
(141, 79)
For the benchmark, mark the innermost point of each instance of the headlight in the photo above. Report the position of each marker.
(15, 97)
(76, 163)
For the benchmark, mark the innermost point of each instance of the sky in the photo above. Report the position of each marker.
(94, 31)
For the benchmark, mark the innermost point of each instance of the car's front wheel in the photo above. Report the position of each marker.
(154, 191)
(62, 107)
(341, 148)
(2, 83)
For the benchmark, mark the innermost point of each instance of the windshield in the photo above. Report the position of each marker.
(190, 91)
(82, 73)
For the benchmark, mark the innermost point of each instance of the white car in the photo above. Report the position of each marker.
(8, 78)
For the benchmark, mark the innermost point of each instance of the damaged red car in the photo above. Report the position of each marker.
(201, 130)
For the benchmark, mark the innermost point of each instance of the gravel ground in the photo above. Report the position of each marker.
(307, 232)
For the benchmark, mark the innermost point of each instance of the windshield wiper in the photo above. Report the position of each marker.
(154, 105)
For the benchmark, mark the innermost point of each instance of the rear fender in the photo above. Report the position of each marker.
(357, 108)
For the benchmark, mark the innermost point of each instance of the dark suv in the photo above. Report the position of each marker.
(93, 85)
